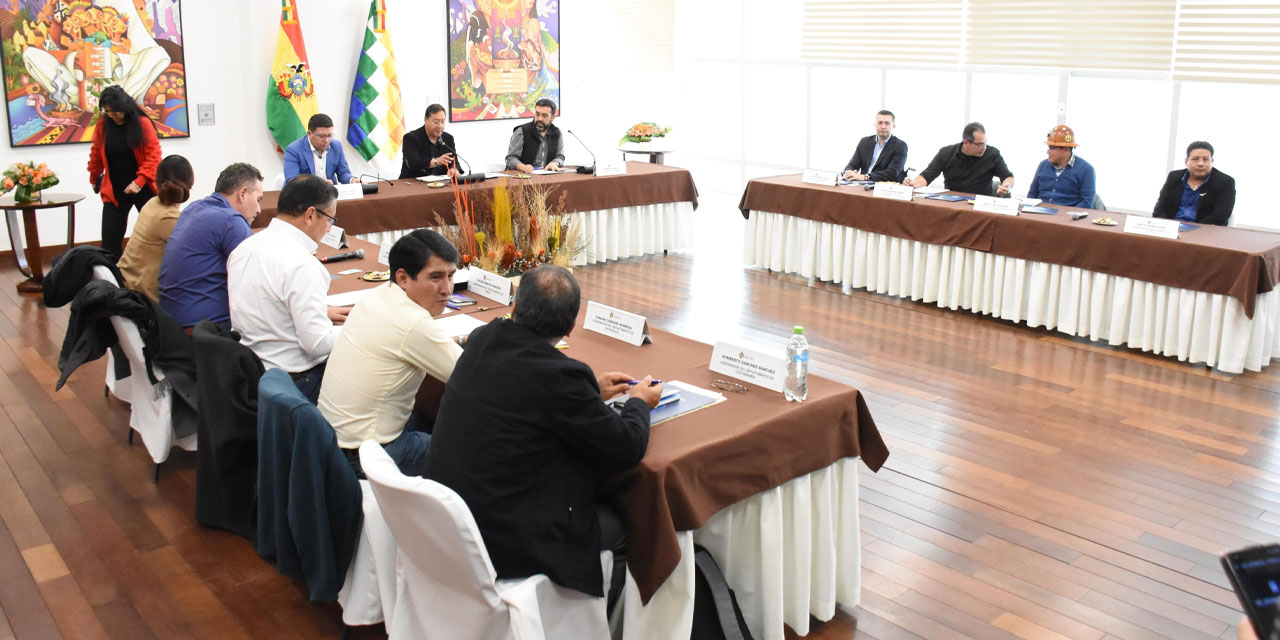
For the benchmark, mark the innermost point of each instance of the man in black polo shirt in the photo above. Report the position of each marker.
(537, 144)
(968, 167)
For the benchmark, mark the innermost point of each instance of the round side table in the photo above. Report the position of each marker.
(29, 259)
(656, 150)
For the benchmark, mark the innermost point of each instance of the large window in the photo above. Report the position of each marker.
(1123, 129)
(930, 106)
(842, 106)
(1018, 111)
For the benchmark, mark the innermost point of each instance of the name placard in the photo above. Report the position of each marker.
(384, 253)
(350, 191)
(1002, 206)
(817, 176)
(1158, 227)
(336, 237)
(490, 285)
(628, 327)
(893, 191)
(750, 363)
(611, 168)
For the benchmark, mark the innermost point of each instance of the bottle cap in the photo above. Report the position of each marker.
(798, 330)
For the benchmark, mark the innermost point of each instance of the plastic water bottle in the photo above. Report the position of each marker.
(797, 385)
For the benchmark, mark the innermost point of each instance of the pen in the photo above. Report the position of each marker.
(635, 382)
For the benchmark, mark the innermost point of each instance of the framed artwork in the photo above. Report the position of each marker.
(58, 56)
(504, 56)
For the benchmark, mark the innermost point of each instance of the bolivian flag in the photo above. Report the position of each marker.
(291, 93)
(377, 117)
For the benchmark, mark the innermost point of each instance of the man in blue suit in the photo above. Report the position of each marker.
(317, 148)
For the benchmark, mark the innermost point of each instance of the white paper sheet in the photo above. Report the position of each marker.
(347, 299)
(458, 325)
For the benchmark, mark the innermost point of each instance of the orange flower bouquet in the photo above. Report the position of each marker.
(27, 180)
(644, 132)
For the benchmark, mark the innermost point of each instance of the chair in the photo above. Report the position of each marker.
(277, 183)
(116, 385)
(369, 593)
(309, 501)
(1098, 203)
(227, 375)
(151, 406)
(446, 586)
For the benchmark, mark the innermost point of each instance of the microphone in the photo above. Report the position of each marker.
(584, 170)
(373, 188)
(455, 153)
(348, 255)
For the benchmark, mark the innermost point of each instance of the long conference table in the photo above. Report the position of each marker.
(647, 210)
(1207, 297)
(769, 487)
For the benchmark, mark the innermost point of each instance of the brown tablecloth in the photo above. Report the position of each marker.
(707, 460)
(702, 462)
(1235, 262)
(409, 204)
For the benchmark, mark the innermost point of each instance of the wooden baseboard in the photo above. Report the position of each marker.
(48, 252)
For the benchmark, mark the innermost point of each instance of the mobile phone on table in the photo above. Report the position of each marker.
(1255, 575)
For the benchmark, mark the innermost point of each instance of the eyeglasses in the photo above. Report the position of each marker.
(332, 220)
(322, 136)
(725, 385)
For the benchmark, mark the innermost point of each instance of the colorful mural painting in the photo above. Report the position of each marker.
(504, 55)
(58, 56)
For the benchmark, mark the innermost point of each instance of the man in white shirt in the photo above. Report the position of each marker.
(277, 288)
(389, 344)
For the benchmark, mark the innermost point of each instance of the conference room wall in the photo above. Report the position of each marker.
(230, 45)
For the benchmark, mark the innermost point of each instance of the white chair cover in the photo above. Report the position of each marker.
(369, 593)
(119, 388)
(151, 405)
(446, 586)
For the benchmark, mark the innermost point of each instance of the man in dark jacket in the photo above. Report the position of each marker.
(537, 144)
(1198, 193)
(522, 431)
(882, 157)
(429, 150)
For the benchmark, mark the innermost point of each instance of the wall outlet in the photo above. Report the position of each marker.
(204, 114)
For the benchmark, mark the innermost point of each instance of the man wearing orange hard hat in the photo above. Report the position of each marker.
(1064, 178)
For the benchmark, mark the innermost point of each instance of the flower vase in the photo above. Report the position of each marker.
(23, 195)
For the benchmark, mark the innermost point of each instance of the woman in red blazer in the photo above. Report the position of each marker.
(122, 163)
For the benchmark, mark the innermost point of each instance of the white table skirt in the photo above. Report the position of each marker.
(613, 234)
(788, 553)
(1191, 326)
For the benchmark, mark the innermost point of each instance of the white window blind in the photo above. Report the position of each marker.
(1235, 42)
(1081, 34)
(885, 31)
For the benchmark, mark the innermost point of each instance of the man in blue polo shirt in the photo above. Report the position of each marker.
(1064, 178)
(1198, 193)
(193, 271)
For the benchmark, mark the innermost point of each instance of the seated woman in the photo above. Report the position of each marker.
(140, 264)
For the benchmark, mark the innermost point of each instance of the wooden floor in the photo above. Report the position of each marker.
(1038, 487)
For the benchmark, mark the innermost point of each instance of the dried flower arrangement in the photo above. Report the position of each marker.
(515, 229)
